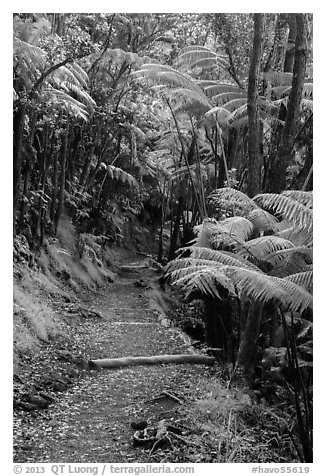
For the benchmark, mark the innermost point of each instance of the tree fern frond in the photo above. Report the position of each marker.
(232, 230)
(214, 89)
(115, 173)
(287, 207)
(297, 297)
(279, 255)
(235, 104)
(278, 78)
(303, 279)
(262, 288)
(239, 113)
(279, 91)
(305, 198)
(232, 196)
(191, 95)
(263, 221)
(79, 74)
(161, 74)
(30, 53)
(221, 114)
(299, 237)
(191, 56)
(228, 97)
(223, 257)
(261, 247)
(54, 97)
(206, 279)
(238, 123)
(291, 263)
(204, 233)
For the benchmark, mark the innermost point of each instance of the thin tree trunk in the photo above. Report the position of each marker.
(254, 162)
(176, 228)
(54, 187)
(63, 160)
(19, 120)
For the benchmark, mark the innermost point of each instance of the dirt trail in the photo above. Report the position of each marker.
(90, 422)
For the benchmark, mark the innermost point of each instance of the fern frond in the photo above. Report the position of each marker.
(161, 74)
(206, 279)
(304, 279)
(239, 113)
(305, 198)
(214, 89)
(232, 230)
(280, 91)
(232, 196)
(115, 173)
(279, 255)
(260, 248)
(32, 55)
(79, 74)
(228, 98)
(194, 96)
(57, 98)
(297, 298)
(299, 237)
(277, 78)
(223, 257)
(235, 104)
(229, 231)
(200, 56)
(263, 289)
(288, 208)
(263, 221)
(291, 263)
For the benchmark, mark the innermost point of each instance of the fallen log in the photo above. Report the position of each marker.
(154, 360)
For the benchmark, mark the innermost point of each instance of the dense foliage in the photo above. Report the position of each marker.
(200, 126)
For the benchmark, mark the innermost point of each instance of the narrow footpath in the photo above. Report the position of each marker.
(91, 421)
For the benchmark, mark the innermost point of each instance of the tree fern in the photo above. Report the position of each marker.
(206, 278)
(288, 208)
(247, 283)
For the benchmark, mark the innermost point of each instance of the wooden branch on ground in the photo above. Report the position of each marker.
(154, 360)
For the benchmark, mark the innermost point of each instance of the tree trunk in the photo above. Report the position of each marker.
(176, 228)
(54, 194)
(63, 160)
(290, 47)
(246, 358)
(254, 162)
(285, 150)
(218, 324)
(282, 141)
(19, 121)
